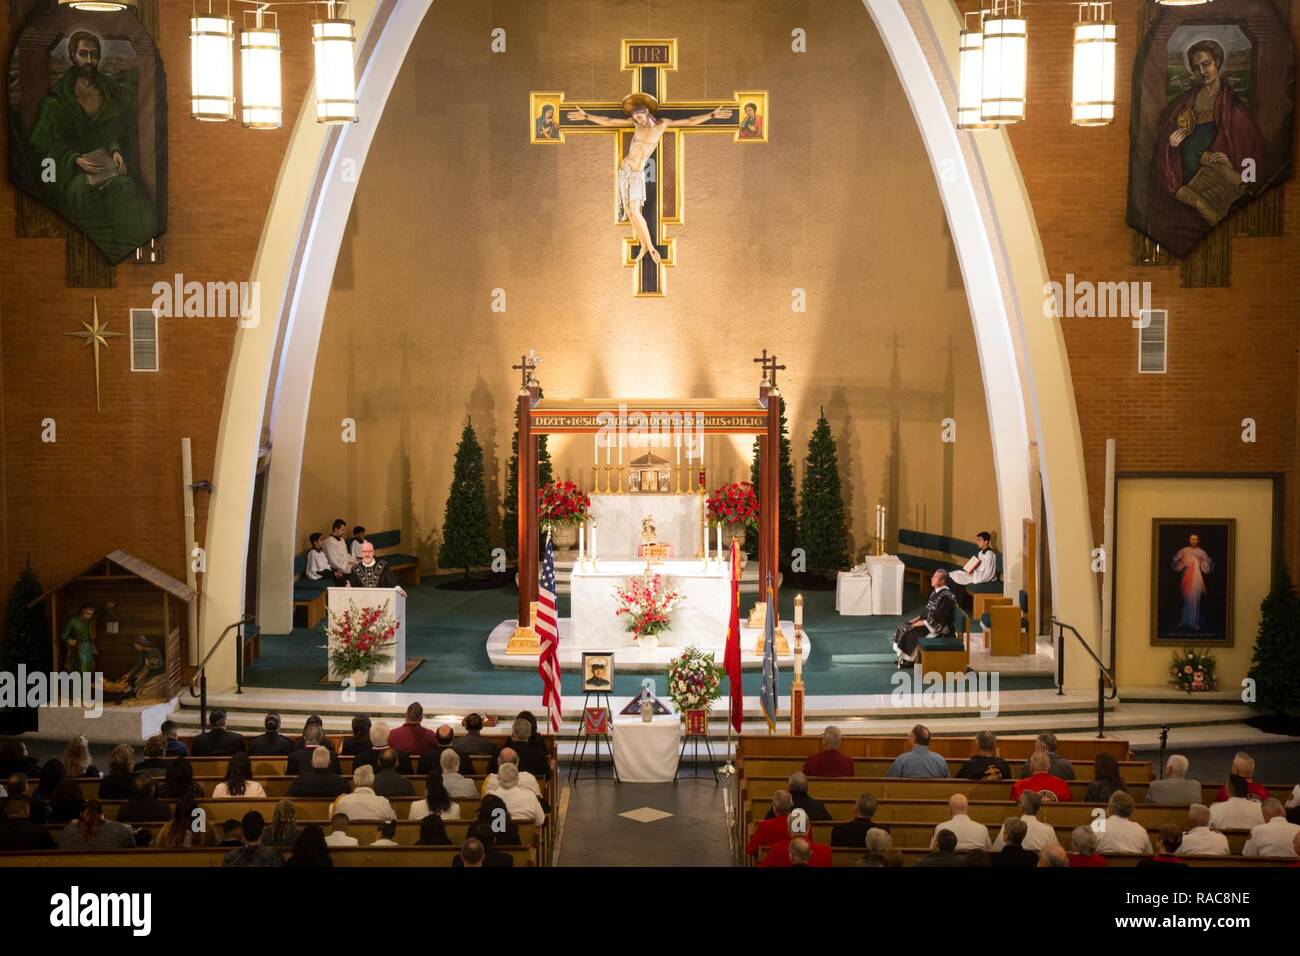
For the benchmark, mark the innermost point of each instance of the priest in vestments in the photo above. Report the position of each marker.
(936, 621)
(371, 572)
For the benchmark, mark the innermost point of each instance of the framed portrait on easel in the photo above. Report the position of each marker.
(597, 672)
(1192, 569)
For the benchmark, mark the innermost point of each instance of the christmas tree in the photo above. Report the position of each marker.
(1275, 667)
(789, 513)
(510, 507)
(821, 507)
(26, 637)
(466, 536)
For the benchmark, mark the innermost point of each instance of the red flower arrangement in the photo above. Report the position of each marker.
(562, 503)
(357, 638)
(646, 605)
(734, 504)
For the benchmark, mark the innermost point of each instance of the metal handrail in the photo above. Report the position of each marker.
(1104, 676)
(201, 675)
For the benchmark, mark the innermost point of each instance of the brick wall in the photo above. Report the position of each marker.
(1232, 351)
(114, 479)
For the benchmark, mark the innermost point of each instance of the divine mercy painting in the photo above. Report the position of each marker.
(1192, 580)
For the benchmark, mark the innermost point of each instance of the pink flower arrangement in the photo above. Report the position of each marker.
(358, 637)
(734, 504)
(562, 503)
(1193, 670)
(646, 605)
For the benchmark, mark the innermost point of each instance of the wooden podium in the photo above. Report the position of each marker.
(336, 603)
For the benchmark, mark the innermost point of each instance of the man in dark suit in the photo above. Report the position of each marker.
(388, 782)
(272, 743)
(854, 833)
(1012, 853)
(217, 741)
(798, 787)
(945, 852)
(18, 832)
(154, 762)
(530, 758)
(142, 806)
(320, 779)
(372, 756)
(472, 742)
(432, 760)
(303, 758)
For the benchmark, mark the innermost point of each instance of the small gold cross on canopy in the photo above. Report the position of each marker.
(95, 335)
(527, 365)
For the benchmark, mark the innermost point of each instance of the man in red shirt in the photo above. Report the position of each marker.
(412, 738)
(1040, 780)
(1243, 765)
(829, 762)
(815, 854)
(775, 829)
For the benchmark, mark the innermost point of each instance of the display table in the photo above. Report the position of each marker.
(852, 594)
(700, 619)
(647, 753)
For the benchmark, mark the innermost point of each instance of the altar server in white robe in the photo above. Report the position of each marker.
(318, 564)
(981, 568)
(336, 550)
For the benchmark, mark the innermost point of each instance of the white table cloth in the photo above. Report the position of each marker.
(700, 619)
(647, 753)
(852, 594)
(886, 572)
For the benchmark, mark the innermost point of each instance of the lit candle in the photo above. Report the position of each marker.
(677, 443)
(798, 611)
(606, 451)
(595, 449)
(582, 544)
(719, 542)
(595, 549)
(704, 527)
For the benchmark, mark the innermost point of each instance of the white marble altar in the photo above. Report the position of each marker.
(618, 522)
(700, 619)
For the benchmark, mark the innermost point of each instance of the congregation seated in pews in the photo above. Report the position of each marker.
(944, 809)
(223, 799)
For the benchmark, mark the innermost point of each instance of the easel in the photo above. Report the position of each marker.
(595, 739)
(708, 748)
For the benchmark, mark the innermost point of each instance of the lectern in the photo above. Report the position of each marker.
(391, 600)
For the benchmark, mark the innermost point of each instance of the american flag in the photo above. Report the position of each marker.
(548, 633)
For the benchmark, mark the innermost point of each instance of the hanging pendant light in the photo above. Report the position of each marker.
(212, 66)
(1095, 42)
(970, 77)
(98, 6)
(259, 67)
(335, 42)
(1002, 96)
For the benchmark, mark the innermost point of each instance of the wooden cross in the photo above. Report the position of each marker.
(770, 368)
(650, 61)
(527, 365)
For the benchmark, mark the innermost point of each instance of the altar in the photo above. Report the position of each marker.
(701, 619)
(677, 521)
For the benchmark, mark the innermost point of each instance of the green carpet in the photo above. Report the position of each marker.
(850, 655)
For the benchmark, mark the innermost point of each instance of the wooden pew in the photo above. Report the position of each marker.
(309, 808)
(986, 811)
(408, 831)
(844, 857)
(213, 856)
(1011, 748)
(1132, 771)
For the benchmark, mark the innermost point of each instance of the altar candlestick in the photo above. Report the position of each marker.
(595, 549)
(595, 449)
(678, 443)
(706, 545)
(606, 454)
(620, 449)
(798, 611)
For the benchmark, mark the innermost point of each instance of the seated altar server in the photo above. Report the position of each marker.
(980, 569)
(318, 565)
(937, 619)
(371, 572)
(336, 550)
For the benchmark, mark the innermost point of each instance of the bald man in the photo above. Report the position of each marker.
(970, 835)
(1200, 840)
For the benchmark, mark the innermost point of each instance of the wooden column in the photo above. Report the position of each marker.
(771, 506)
(524, 640)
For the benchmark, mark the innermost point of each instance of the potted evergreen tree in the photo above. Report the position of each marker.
(466, 535)
(1275, 665)
(821, 507)
(26, 641)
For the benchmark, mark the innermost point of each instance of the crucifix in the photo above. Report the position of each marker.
(649, 148)
(95, 335)
(527, 365)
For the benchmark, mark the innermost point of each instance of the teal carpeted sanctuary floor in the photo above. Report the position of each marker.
(851, 655)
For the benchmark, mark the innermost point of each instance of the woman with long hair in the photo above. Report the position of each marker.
(360, 739)
(179, 781)
(239, 780)
(76, 758)
(1105, 779)
(91, 831)
(310, 849)
(52, 774)
(493, 813)
(181, 830)
(433, 832)
(283, 831)
(119, 782)
(436, 800)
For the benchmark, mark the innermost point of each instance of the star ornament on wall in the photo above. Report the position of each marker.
(95, 335)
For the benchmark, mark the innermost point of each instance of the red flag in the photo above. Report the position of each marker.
(731, 659)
